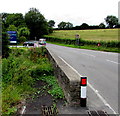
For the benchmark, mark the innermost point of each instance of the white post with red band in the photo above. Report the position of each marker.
(83, 96)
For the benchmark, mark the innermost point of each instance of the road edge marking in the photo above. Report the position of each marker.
(89, 55)
(112, 61)
(96, 91)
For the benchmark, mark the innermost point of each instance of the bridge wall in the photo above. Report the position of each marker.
(67, 78)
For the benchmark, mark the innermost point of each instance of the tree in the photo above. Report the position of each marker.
(4, 17)
(22, 39)
(111, 21)
(65, 25)
(36, 23)
(62, 25)
(24, 31)
(51, 23)
(69, 25)
(5, 43)
(101, 26)
(15, 19)
(12, 28)
(84, 26)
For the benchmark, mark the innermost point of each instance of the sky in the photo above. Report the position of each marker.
(92, 12)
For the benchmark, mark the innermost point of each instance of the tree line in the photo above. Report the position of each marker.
(32, 25)
(111, 22)
(29, 27)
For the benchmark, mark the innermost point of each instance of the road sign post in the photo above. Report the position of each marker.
(77, 37)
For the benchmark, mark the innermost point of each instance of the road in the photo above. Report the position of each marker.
(101, 69)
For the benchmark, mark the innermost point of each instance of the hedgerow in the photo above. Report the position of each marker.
(112, 44)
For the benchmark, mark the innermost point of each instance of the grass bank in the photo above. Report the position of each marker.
(20, 71)
(92, 35)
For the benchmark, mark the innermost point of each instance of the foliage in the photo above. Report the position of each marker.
(55, 90)
(20, 72)
(51, 23)
(102, 26)
(24, 31)
(14, 19)
(111, 21)
(112, 44)
(22, 39)
(84, 26)
(36, 23)
(12, 28)
(5, 48)
(65, 25)
(68, 25)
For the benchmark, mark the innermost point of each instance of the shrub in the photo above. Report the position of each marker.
(22, 39)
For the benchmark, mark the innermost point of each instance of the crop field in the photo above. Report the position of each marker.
(94, 35)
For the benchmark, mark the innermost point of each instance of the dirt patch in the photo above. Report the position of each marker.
(40, 98)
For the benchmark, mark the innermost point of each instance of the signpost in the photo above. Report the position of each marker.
(77, 37)
(12, 37)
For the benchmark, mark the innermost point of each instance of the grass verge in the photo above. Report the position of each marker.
(90, 47)
(20, 71)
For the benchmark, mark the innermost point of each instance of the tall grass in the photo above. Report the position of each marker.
(20, 71)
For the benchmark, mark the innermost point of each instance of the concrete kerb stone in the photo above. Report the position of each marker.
(67, 78)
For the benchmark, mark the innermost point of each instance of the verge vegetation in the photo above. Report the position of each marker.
(89, 39)
(21, 70)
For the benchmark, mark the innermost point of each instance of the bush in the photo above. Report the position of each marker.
(22, 39)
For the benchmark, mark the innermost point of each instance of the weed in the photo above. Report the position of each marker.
(21, 70)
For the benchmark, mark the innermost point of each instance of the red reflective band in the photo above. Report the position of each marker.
(83, 82)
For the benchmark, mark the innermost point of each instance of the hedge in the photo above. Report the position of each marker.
(112, 44)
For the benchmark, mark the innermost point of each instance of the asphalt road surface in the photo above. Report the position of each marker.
(101, 69)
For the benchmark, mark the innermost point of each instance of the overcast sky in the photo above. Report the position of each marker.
(77, 12)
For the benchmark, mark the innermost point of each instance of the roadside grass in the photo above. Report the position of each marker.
(20, 71)
(89, 39)
(94, 35)
(90, 47)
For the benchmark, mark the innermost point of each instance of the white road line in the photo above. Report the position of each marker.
(23, 110)
(88, 54)
(96, 91)
(112, 61)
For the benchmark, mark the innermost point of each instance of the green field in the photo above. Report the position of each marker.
(98, 34)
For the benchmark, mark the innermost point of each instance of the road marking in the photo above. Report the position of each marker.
(112, 61)
(89, 54)
(70, 66)
(96, 91)
(23, 110)
(102, 99)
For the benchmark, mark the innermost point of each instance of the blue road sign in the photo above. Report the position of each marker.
(13, 36)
